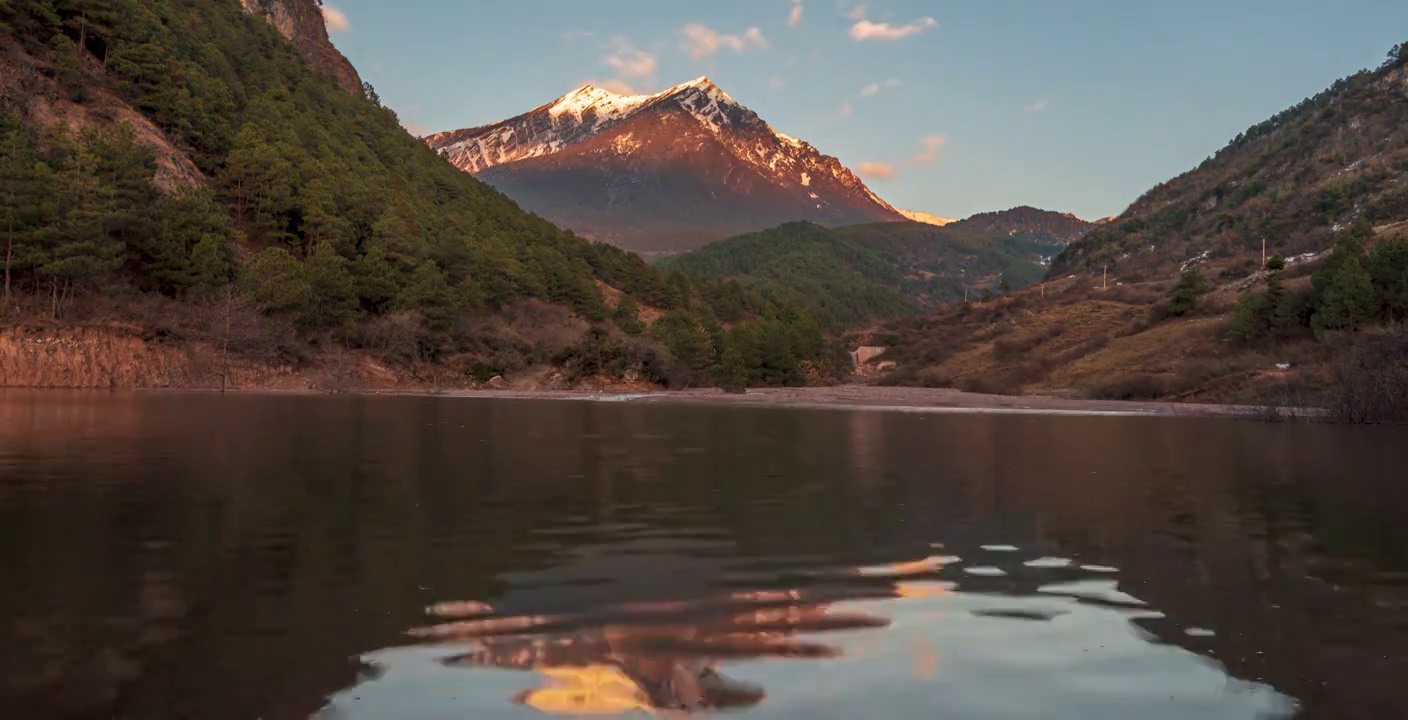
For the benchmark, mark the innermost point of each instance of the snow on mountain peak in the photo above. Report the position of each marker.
(588, 111)
(607, 105)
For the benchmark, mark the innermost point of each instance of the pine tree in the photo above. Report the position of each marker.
(1350, 301)
(103, 202)
(1184, 298)
(627, 316)
(333, 290)
(26, 200)
(1388, 267)
(732, 375)
(1348, 244)
(429, 293)
(275, 280)
(1248, 317)
(681, 335)
(257, 181)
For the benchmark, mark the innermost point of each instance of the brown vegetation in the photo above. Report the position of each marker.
(1370, 384)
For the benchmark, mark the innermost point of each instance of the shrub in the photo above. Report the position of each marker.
(1370, 385)
(1185, 296)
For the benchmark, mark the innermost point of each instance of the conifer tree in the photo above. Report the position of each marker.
(627, 316)
(26, 200)
(1349, 301)
(1184, 298)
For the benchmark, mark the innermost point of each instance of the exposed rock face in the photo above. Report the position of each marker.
(301, 23)
(660, 173)
(27, 86)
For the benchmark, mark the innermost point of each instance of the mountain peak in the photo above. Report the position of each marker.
(674, 168)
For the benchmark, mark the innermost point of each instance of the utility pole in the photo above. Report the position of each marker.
(1105, 283)
(1263, 252)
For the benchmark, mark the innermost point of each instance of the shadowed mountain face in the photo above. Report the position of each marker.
(1055, 227)
(660, 173)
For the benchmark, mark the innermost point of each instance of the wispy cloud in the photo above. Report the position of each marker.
(795, 17)
(874, 89)
(846, 110)
(877, 171)
(632, 67)
(701, 41)
(629, 62)
(866, 29)
(1036, 107)
(335, 19)
(929, 155)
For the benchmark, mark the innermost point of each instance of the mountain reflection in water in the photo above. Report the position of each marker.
(652, 655)
(226, 558)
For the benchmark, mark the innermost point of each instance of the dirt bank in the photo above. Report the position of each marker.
(110, 357)
(113, 358)
(870, 397)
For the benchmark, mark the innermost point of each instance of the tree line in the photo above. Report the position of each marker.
(315, 204)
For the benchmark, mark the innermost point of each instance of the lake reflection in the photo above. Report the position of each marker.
(242, 557)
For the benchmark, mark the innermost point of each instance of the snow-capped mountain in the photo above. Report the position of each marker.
(660, 173)
(927, 218)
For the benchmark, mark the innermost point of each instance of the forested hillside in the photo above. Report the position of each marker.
(182, 150)
(1293, 182)
(1174, 299)
(846, 276)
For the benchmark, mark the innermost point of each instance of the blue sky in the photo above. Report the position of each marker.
(949, 107)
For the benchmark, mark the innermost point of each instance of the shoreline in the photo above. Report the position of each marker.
(841, 397)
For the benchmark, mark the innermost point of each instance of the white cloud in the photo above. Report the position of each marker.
(701, 41)
(865, 29)
(630, 63)
(874, 89)
(846, 110)
(795, 17)
(335, 19)
(631, 66)
(932, 144)
(1036, 107)
(777, 83)
(877, 171)
(573, 35)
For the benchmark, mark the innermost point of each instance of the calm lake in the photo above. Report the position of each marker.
(197, 556)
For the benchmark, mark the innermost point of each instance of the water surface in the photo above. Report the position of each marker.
(197, 556)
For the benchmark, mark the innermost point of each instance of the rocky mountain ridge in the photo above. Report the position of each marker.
(302, 23)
